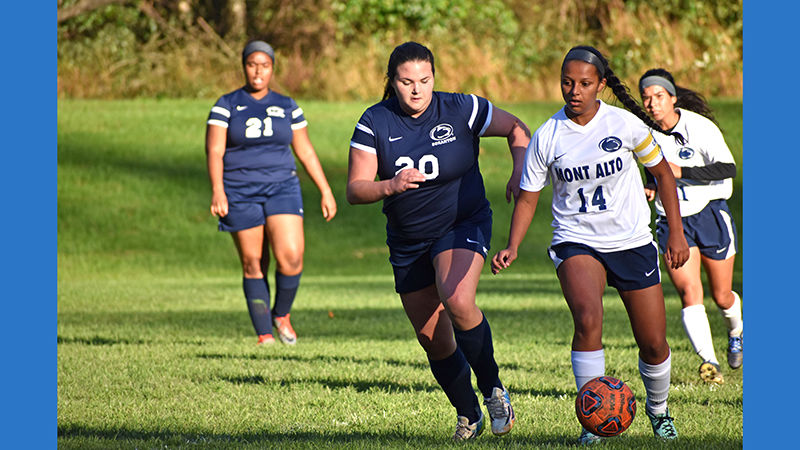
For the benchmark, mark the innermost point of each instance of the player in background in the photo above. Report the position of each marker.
(423, 147)
(588, 151)
(703, 167)
(250, 135)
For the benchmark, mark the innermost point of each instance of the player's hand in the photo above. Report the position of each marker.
(512, 187)
(219, 204)
(677, 171)
(502, 260)
(677, 250)
(328, 204)
(650, 191)
(406, 179)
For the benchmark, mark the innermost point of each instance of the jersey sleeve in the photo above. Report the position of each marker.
(646, 149)
(220, 114)
(715, 147)
(298, 119)
(364, 135)
(535, 175)
(480, 115)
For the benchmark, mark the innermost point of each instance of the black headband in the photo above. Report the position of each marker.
(586, 56)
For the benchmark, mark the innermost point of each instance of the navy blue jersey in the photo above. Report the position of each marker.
(259, 134)
(443, 144)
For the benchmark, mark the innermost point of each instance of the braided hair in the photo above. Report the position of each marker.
(687, 98)
(619, 88)
(409, 51)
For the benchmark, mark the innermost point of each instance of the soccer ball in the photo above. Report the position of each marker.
(605, 406)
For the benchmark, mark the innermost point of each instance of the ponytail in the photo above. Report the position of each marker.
(616, 85)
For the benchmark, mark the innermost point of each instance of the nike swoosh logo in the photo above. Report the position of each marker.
(647, 274)
(722, 249)
(472, 242)
(241, 107)
(392, 139)
(555, 158)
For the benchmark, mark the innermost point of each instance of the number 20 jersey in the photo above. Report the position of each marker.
(598, 194)
(443, 144)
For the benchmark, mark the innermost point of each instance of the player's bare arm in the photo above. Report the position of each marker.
(215, 149)
(301, 144)
(518, 136)
(677, 252)
(524, 210)
(362, 186)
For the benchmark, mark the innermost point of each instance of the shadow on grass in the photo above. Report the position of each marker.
(85, 437)
(377, 324)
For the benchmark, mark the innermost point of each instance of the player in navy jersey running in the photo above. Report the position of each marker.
(704, 168)
(250, 136)
(588, 151)
(423, 147)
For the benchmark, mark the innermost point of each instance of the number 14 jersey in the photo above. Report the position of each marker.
(598, 194)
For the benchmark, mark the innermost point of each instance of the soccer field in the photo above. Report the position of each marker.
(156, 350)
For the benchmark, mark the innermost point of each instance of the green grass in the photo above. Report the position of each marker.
(155, 348)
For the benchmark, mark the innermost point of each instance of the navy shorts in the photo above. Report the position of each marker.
(249, 203)
(711, 230)
(626, 270)
(420, 273)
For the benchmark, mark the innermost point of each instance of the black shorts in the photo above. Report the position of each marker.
(249, 203)
(626, 270)
(711, 230)
(420, 273)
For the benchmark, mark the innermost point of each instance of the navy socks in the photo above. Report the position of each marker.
(479, 352)
(256, 292)
(454, 376)
(285, 291)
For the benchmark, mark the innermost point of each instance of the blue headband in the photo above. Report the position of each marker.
(258, 46)
(588, 57)
(658, 81)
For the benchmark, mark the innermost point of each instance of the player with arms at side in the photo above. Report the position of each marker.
(703, 167)
(250, 136)
(588, 151)
(423, 146)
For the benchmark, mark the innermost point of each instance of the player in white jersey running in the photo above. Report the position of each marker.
(588, 151)
(704, 168)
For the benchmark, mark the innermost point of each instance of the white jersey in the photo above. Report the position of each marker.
(598, 194)
(704, 145)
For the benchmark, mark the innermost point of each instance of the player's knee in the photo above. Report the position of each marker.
(588, 323)
(251, 267)
(436, 349)
(290, 264)
(655, 352)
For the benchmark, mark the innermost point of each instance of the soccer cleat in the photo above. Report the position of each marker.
(466, 431)
(663, 426)
(588, 438)
(500, 411)
(735, 352)
(285, 331)
(709, 372)
(265, 339)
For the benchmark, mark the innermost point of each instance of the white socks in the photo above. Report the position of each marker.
(695, 323)
(588, 365)
(733, 316)
(656, 380)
